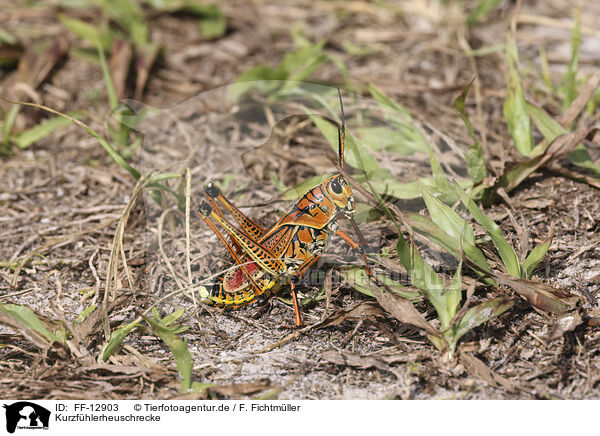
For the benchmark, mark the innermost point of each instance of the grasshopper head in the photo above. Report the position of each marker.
(339, 190)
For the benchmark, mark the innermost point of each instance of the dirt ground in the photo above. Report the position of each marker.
(62, 198)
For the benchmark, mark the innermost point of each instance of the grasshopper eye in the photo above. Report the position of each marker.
(336, 187)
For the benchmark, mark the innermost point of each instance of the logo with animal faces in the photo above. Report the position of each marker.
(25, 415)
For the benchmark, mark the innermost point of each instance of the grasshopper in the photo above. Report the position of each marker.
(269, 259)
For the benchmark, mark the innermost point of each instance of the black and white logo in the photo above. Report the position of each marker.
(26, 415)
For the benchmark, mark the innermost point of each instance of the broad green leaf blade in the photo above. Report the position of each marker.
(8, 122)
(380, 137)
(551, 129)
(383, 99)
(508, 255)
(446, 218)
(408, 191)
(547, 126)
(295, 192)
(581, 157)
(424, 277)
(24, 139)
(25, 320)
(359, 280)
(130, 16)
(452, 245)
(536, 255)
(401, 120)
(171, 318)
(477, 315)
(183, 358)
(117, 336)
(213, 22)
(88, 32)
(299, 65)
(515, 109)
(515, 175)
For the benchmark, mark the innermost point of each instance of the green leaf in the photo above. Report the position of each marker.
(28, 137)
(85, 313)
(8, 123)
(359, 280)
(454, 246)
(298, 60)
(28, 322)
(298, 36)
(508, 255)
(547, 126)
(446, 218)
(379, 137)
(183, 358)
(383, 99)
(296, 191)
(484, 51)
(117, 336)
(130, 16)
(214, 22)
(88, 32)
(536, 255)
(423, 277)
(515, 108)
(7, 38)
(300, 65)
(581, 157)
(171, 318)
(477, 315)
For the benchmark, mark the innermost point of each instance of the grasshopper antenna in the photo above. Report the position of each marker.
(341, 134)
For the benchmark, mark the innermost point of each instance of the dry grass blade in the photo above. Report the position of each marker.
(582, 99)
(41, 338)
(559, 148)
(188, 191)
(112, 276)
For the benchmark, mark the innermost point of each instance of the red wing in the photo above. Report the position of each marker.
(238, 278)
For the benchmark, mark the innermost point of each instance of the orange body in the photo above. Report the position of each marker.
(297, 239)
